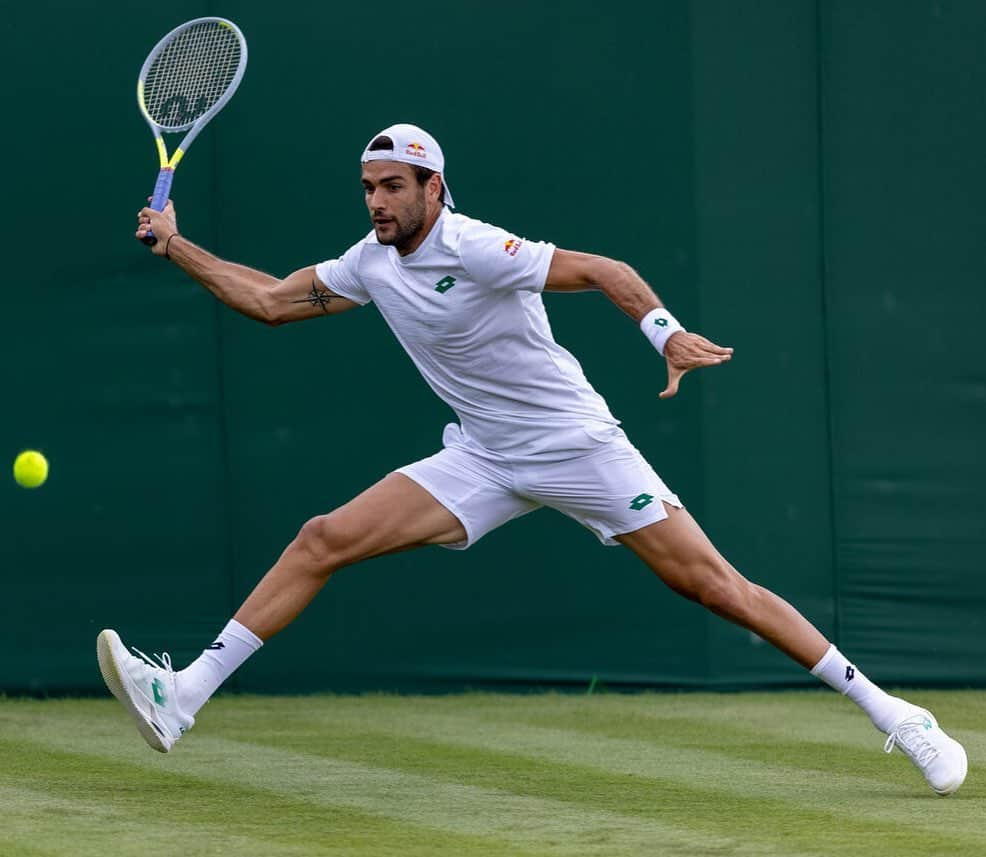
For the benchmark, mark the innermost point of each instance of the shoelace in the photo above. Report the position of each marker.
(910, 737)
(163, 661)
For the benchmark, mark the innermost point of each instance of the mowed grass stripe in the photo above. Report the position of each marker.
(887, 796)
(671, 751)
(785, 729)
(788, 729)
(88, 826)
(10, 847)
(605, 760)
(850, 755)
(824, 716)
(683, 750)
(544, 826)
(82, 805)
(693, 793)
(817, 717)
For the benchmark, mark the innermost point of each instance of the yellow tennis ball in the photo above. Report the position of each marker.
(30, 469)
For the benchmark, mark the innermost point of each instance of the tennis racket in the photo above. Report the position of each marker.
(185, 81)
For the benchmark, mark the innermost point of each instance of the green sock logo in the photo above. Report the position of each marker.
(444, 284)
(641, 500)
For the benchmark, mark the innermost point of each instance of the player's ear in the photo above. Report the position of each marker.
(435, 185)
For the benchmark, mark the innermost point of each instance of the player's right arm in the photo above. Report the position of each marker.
(253, 293)
(259, 296)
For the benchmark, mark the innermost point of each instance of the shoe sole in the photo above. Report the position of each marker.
(117, 686)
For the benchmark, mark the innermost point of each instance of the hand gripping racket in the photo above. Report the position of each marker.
(185, 81)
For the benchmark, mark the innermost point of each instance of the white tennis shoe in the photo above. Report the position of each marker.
(146, 690)
(939, 757)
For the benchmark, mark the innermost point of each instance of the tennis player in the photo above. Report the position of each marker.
(464, 299)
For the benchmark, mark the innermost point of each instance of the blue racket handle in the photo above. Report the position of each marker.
(162, 189)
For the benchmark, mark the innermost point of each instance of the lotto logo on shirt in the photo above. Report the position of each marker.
(417, 150)
(512, 246)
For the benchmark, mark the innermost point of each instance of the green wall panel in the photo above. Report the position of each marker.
(764, 422)
(109, 364)
(904, 221)
(321, 410)
(801, 180)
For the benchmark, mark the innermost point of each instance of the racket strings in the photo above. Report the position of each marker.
(190, 74)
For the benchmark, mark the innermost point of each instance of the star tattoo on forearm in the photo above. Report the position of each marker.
(318, 296)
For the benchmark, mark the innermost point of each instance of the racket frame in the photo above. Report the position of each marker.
(162, 187)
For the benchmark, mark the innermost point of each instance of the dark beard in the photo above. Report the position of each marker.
(407, 231)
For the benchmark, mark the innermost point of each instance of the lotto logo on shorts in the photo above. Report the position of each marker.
(640, 501)
(417, 150)
(512, 246)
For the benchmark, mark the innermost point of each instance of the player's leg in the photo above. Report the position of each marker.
(393, 515)
(451, 498)
(612, 490)
(680, 553)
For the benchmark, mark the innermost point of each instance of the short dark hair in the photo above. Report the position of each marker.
(383, 143)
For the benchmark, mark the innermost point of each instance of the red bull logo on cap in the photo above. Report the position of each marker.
(512, 246)
(416, 149)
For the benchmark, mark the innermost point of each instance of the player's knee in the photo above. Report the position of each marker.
(724, 591)
(324, 544)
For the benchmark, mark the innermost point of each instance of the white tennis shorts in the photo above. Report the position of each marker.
(604, 483)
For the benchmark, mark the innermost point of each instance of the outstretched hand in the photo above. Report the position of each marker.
(686, 351)
(163, 224)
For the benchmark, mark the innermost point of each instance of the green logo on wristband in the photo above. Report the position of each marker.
(661, 322)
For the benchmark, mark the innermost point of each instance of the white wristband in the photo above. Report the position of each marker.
(658, 325)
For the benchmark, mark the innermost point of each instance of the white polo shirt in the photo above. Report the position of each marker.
(466, 305)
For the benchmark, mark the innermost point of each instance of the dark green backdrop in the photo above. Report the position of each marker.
(801, 180)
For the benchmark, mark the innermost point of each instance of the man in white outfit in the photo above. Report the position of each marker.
(464, 299)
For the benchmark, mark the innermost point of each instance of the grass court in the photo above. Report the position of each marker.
(547, 775)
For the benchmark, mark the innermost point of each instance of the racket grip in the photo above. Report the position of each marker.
(159, 200)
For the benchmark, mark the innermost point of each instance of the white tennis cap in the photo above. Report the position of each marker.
(412, 145)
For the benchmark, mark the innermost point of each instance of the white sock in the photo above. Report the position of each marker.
(885, 711)
(201, 678)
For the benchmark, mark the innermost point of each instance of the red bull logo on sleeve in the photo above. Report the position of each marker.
(416, 149)
(512, 246)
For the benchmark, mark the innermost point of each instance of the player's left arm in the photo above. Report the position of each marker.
(578, 272)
